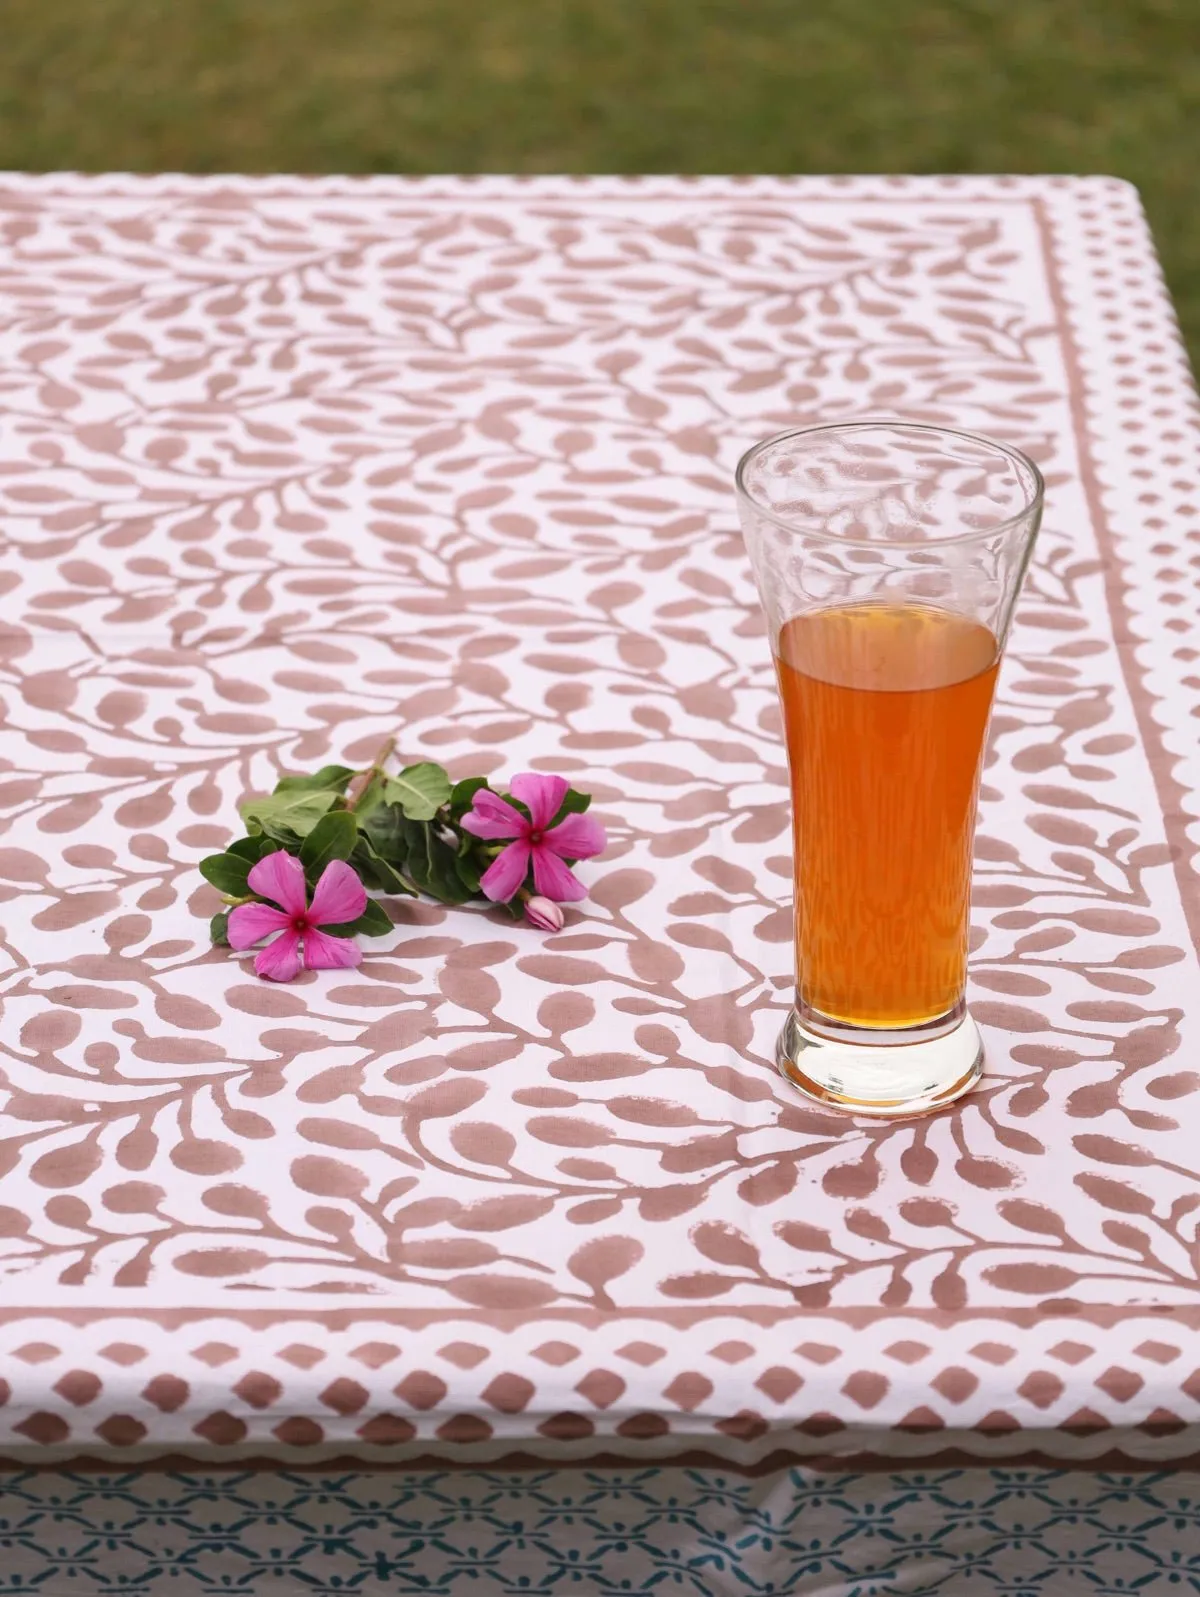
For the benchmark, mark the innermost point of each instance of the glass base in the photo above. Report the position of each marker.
(882, 1074)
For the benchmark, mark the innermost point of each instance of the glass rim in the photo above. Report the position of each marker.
(1019, 458)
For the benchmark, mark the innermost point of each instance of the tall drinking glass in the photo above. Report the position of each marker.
(888, 556)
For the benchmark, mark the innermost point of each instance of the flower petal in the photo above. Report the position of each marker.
(338, 897)
(506, 872)
(493, 817)
(280, 877)
(250, 923)
(330, 953)
(577, 837)
(280, 960)
(542, 796)
(552, 878)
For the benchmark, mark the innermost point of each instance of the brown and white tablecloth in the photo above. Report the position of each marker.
(288, 465)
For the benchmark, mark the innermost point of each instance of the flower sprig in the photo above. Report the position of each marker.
(408, 833)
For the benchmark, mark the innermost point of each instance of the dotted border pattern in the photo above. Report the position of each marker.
(309, 1387)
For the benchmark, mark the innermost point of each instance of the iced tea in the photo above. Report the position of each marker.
(885, 709)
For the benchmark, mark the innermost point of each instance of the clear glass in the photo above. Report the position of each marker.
(888, 556)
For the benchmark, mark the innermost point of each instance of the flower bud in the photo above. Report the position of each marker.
(545, 914)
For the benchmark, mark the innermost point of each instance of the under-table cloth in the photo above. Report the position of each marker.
(971, 1532)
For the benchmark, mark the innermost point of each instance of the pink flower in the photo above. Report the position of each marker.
(575, 837)
(339, 897)
(545, 914)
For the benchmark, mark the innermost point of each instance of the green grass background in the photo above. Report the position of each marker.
(619, 85)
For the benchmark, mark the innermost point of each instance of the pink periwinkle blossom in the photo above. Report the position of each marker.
(544, 913)
(339, 897)
(575, 837)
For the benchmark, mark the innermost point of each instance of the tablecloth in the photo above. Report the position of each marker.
(289, 465)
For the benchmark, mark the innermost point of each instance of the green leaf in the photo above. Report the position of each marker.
(463, 793)
(419, 790)
(284, 814)
(467, 872)
(373, 922)
(377, 872)
(574, 804)
(436, 859)
(277, 836)
(384, 829)
(430, 864)
(218, 929)
(250, 848)
(415, 836)
(333, 837)
(331, 778)
(227, 873)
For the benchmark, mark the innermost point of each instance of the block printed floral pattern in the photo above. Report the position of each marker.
(287, 466)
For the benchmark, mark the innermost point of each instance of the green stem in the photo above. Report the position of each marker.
(363, 780)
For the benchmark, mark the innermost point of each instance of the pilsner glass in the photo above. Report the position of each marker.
(888, 556)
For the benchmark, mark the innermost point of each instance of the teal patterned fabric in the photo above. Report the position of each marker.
(961, 1533)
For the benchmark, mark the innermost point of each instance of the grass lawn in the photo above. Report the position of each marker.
(619, 85)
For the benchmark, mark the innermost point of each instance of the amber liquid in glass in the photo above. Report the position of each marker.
(885, 713)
